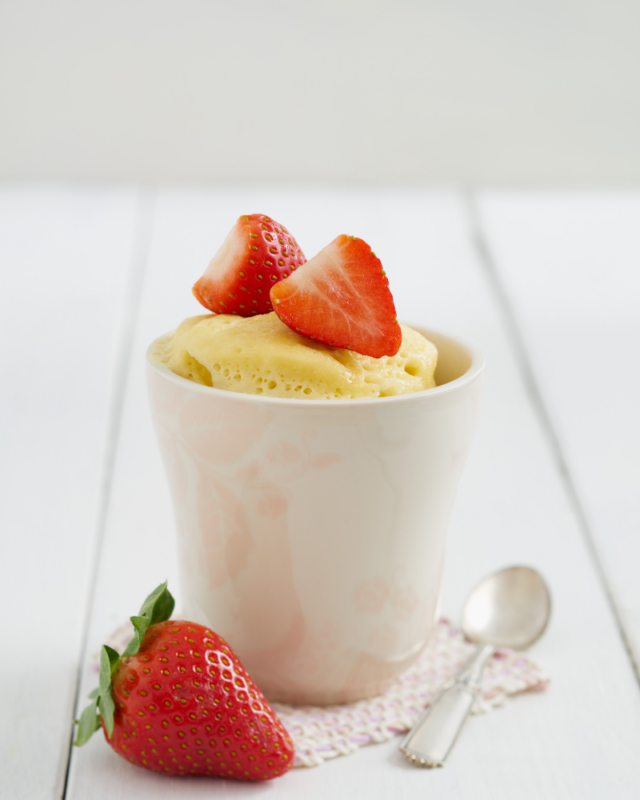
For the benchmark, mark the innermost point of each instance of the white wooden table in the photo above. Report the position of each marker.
(547, 284)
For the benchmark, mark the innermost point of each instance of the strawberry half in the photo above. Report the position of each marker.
(178, 701)
(257, 253)
(341, 297)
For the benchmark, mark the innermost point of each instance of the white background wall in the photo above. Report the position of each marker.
(517, 91)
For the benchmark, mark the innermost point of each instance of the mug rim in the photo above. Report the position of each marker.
(476, 367)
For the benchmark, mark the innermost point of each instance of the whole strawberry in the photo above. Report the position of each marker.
(257, 253)
(179, 701)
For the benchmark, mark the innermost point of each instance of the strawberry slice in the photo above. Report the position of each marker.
(257, 253)
(341, 297)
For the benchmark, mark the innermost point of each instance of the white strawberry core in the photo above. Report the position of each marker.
(325, 276)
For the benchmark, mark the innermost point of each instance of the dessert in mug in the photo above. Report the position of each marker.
(312, 485)
(333, 335)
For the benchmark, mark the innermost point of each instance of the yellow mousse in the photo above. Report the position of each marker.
(261, 355)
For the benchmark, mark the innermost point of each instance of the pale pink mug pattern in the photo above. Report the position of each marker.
(311, 534)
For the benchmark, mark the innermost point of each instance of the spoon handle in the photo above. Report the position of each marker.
(431, 739)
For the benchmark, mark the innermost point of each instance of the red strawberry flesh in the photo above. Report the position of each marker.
(257, 253)
(341, 297)
(185, 705)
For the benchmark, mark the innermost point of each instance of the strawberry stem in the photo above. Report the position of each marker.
(157, 607)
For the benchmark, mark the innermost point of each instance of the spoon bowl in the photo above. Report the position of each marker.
(510, 608)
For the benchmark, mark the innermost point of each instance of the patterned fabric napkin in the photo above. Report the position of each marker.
(323, 733)
(320, 733)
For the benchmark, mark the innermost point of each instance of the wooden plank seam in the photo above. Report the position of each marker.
(488, 263)
(133, 294)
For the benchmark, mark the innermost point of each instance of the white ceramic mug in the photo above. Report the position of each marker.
(311, 534)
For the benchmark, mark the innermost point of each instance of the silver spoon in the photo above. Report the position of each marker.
(510, 608)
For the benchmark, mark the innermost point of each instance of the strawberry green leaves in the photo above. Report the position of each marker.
(108, 661)
(157, 607)
(102, 705)
(107, 709)
(88, 723)
(140, 625)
